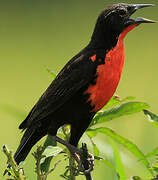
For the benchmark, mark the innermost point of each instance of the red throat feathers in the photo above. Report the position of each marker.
(108, 74)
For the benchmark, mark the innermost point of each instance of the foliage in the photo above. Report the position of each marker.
(116, 108)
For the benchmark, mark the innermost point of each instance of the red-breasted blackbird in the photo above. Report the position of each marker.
(85, 84)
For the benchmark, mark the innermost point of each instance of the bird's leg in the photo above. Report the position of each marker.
(73, 150)
(84, 159)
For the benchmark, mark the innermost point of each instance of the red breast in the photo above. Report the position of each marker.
(108, 74)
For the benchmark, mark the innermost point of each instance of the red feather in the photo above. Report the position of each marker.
(108, 74)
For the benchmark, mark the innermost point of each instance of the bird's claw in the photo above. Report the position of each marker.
(83, 158)
(90, 161)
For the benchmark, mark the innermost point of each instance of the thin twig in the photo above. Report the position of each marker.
(56, 164)
(72, 169)
(38, 155)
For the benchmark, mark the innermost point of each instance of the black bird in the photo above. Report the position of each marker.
(85, 84)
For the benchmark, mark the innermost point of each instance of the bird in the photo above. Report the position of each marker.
(85, 84)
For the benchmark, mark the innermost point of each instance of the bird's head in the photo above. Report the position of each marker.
(115, 20)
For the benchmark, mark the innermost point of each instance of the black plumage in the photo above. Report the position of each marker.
(65, 100)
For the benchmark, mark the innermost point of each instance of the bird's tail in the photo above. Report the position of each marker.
(29, 139)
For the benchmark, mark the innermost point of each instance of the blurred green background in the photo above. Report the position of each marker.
(35, 34)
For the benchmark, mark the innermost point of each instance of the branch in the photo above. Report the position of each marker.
(38, 155)
(16, 170)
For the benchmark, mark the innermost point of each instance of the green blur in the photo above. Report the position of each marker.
(36, 34)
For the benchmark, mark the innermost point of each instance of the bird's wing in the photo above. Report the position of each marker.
(76, 74)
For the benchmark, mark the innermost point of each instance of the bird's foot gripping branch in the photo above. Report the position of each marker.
(120, 108)
(84, 160)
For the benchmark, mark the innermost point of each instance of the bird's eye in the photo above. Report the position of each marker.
(122, 12)
(129, 8)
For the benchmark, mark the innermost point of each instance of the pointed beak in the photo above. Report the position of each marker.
(143, 20)
(134, 7)
(139, 6)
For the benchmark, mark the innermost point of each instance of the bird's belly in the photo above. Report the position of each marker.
(108, 77)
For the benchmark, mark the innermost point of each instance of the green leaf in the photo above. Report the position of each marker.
(46, 164)
(118, 162)
(122, 110)
(51, 73)
(107, 163)
(125, 142)
(21, 164)
(95, 148)
(50, 151)
(153, 118)
(91, 132)
(115, 100)
(155, 167)
(152, 153)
